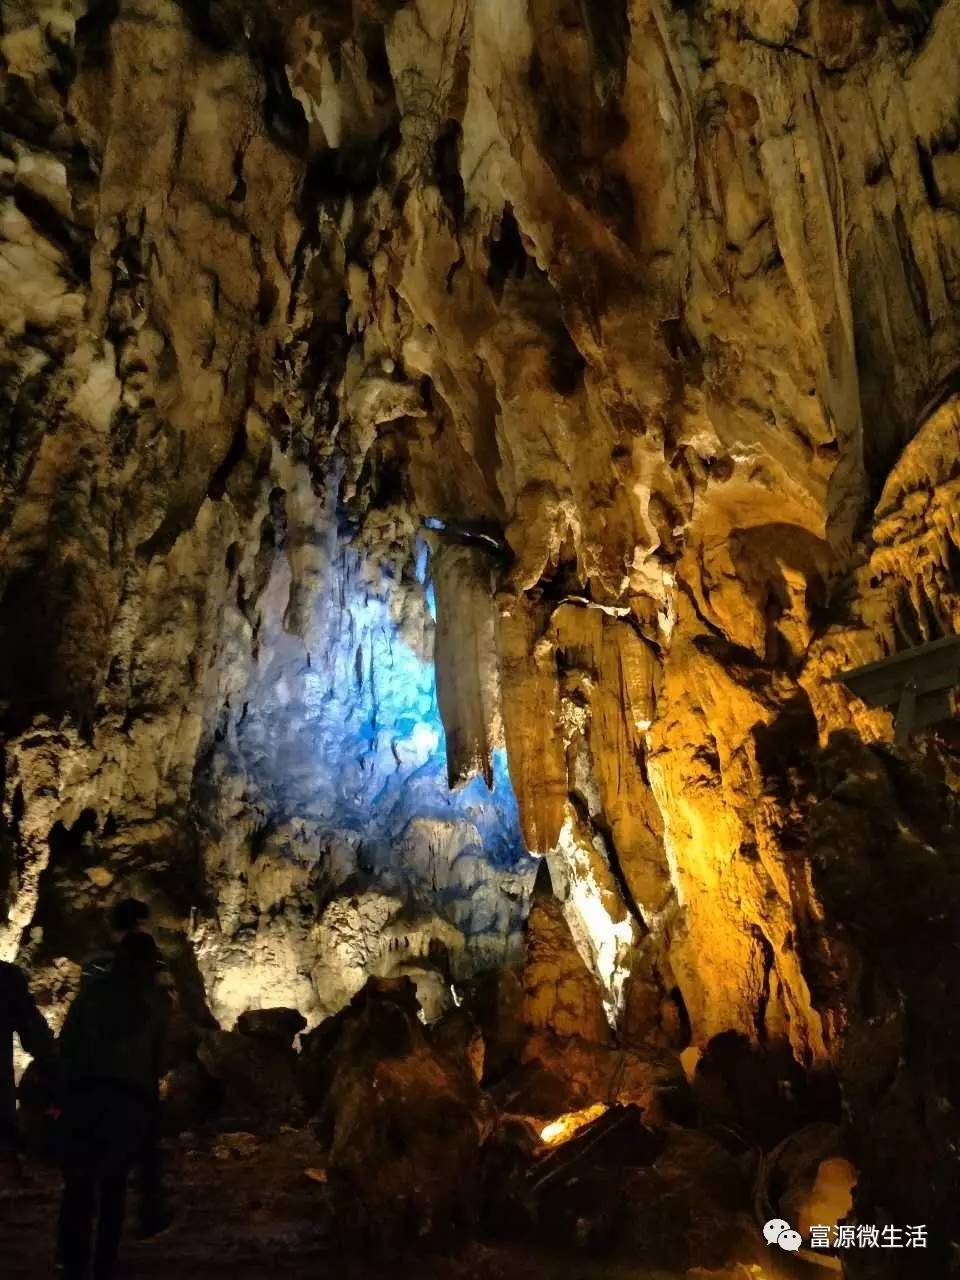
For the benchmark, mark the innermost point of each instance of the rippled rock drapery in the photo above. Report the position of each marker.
(642, 318)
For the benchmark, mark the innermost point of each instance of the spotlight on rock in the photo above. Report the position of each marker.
(566, 1126)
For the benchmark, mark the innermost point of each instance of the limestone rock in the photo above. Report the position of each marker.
(887, 865)
(818, 1180)
(577, 1188)
(531, 705)
(608, 699)
(468, 684)
(495, 999)
(393, 1105)
(691, 1209)
(257, 1074)
(560, 994)
(458, 1035)
(758, 1092)
(274, 1026)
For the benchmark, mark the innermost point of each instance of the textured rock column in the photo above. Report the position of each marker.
(465, 652)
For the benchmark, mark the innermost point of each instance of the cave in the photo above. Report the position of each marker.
(480, 560)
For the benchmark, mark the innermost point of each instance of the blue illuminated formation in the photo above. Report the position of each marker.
(354, 741)
(421, 564)
(392, 752)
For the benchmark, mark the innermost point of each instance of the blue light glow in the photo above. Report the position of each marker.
(366, 750)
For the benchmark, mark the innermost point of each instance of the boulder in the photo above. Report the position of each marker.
(189, 1097)
(457, 1035)
(758, 1094)
(537, 1093)
(275, 1026)
(257, 1073)
(495, 999)
(691, 1208)
(807, 1179)
(402, 1122)
(507, 1205)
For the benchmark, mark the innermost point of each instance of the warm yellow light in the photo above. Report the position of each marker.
(564, 1127)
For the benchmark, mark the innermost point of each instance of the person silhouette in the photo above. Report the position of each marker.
(129, 917)
(111, 1048)
(126, 917)
(19, 1016)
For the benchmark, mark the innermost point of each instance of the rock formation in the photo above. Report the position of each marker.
(438, 435)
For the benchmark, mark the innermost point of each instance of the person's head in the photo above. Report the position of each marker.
(137, 958)
(128, 916)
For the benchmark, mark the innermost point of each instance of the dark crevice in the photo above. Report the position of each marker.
(372, 38)
(675, 995)
(446, 169)
(239, 192)
(877, 170)
(567, 365)
(486, 535)
(925, 162)
(944, 391)
(238, 447)
(452, 273)
(71, 850)
(751, 38)
(607, 23)
(760, 1015)
(219, 26)
(679, 340)
(46, 219)
(508, 257)
(267, 301)
(8, 837)
(284, 115)
(179, 137)
(355, 168)
(92, 42)
(914, 16)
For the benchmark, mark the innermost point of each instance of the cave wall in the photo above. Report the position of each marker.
(630, 333)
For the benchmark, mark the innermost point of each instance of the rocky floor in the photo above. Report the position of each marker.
(249, 1210)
